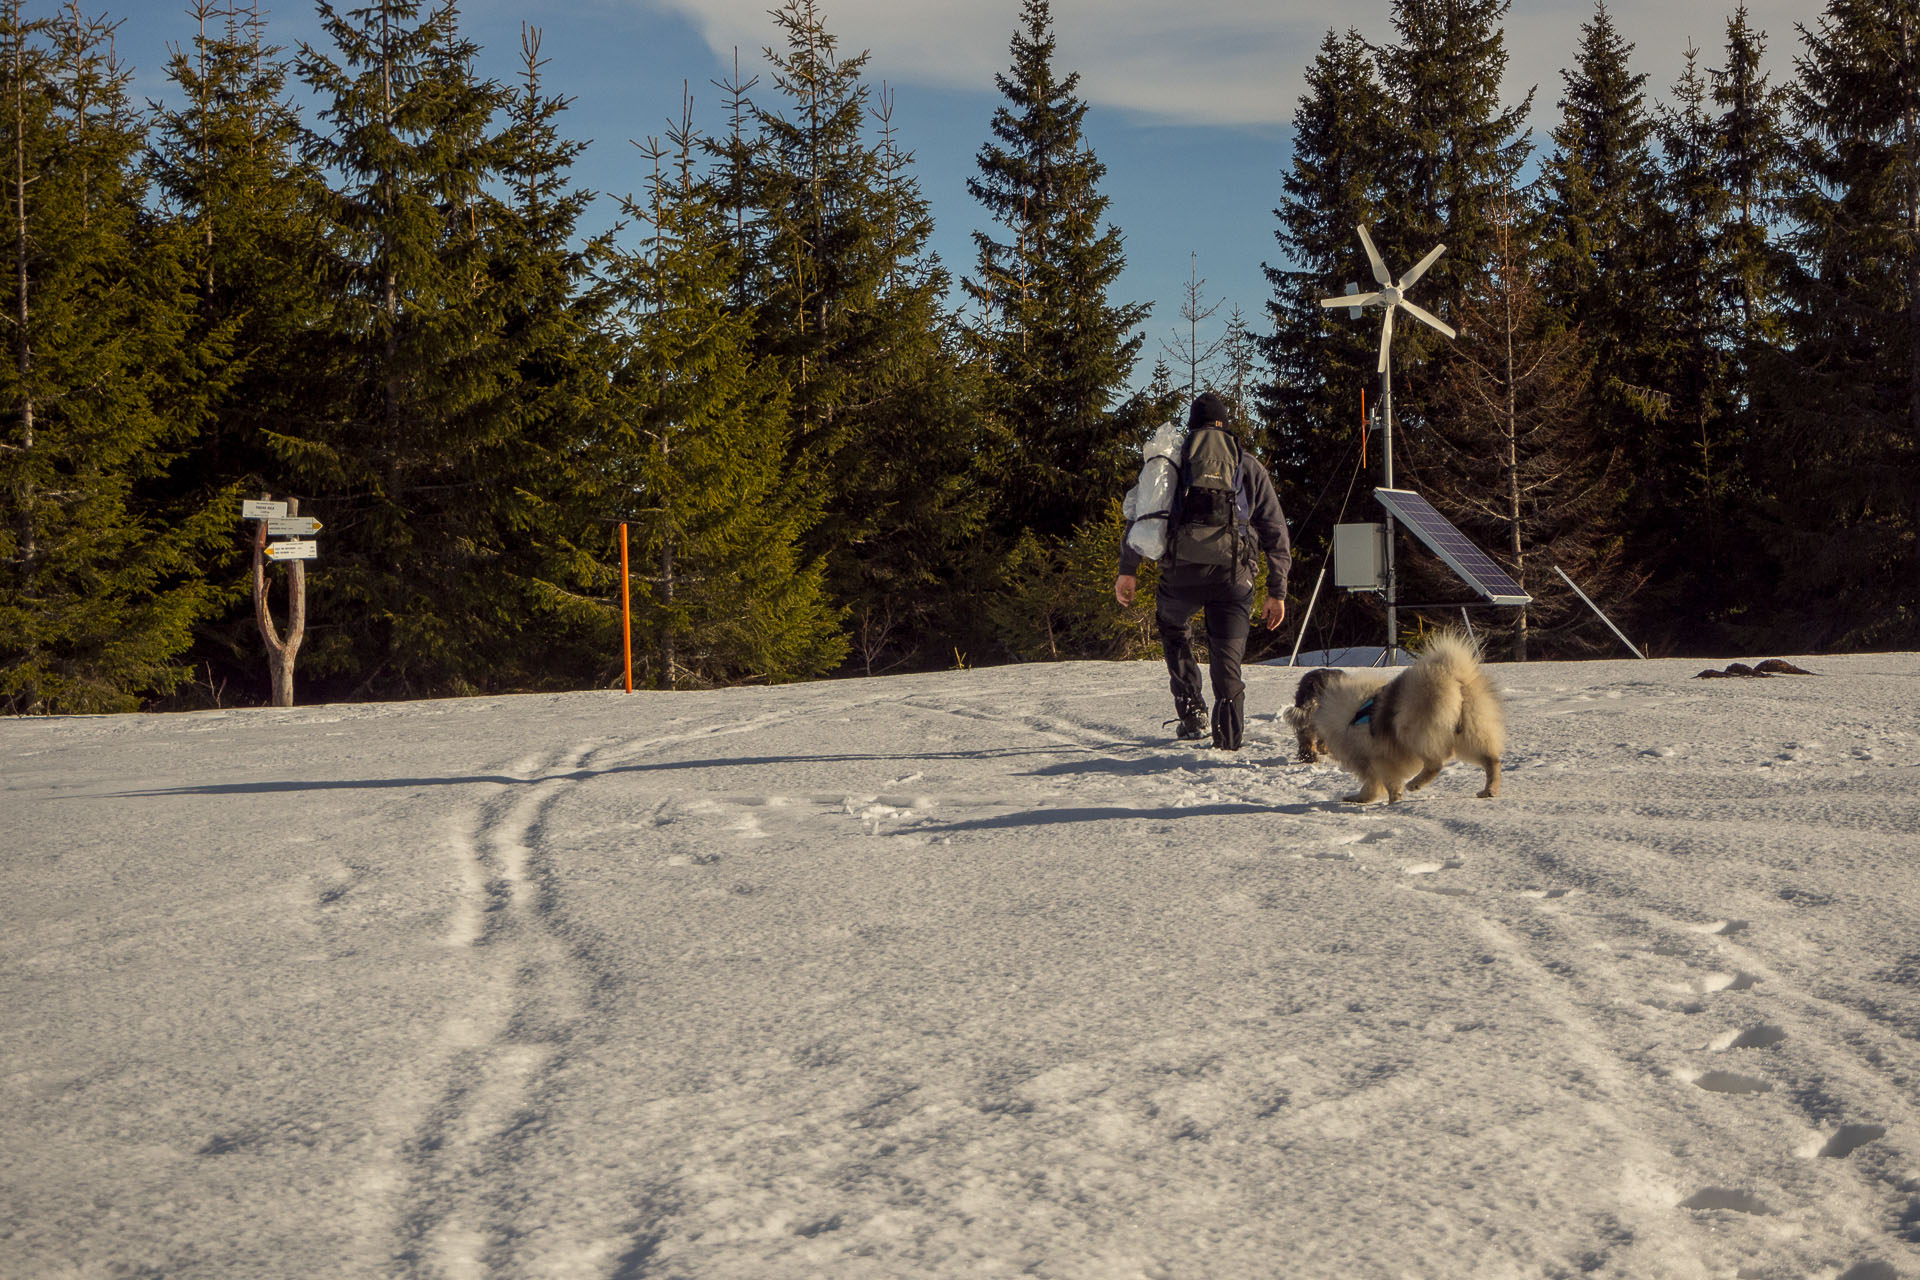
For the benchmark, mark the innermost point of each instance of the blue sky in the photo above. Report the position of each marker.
(1189, 102)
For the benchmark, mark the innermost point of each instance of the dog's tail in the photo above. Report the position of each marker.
(1446, 696)
(1453, 652)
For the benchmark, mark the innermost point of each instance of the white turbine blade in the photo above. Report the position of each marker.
(1354, 300)
(1421, 313)
(1420, 267)
(1373, 256)
(1386, 340)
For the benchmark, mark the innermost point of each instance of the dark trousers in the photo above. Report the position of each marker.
(1228, 606)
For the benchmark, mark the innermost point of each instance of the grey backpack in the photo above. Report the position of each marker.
(1207, 528)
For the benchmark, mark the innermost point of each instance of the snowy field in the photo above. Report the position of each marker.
(966, 975)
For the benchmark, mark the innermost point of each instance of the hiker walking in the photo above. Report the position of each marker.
(1224, 514)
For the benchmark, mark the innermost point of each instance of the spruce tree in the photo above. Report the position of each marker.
(1750, 164)
(546, 513)
(1598, 199)
(886, 418)
(1320, 362)
(100, 580)
(1842, 405)
(1060, 351)
(1750, 266)
(697, 456)
(227, 165)
(1701, 459)
(408, 448)
(1451, 150)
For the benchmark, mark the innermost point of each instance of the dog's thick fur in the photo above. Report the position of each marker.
(1306, 699)
(1439, 709)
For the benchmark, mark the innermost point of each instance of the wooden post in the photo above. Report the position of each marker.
(626, 609)
(280, 654)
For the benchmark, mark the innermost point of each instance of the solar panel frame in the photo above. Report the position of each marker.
(1473, 565)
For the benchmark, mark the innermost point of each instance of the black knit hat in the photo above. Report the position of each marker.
(1208, 408)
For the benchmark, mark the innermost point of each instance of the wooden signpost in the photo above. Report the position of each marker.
(281, 520)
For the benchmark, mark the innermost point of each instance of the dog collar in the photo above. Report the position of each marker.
(1365, 713)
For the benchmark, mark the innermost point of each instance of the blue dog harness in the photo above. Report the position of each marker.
(1365, 714)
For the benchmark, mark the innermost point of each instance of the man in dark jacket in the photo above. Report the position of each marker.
(1223, 591)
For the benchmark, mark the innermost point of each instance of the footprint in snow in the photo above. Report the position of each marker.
(1846, 1140)
(1728, 1198)
(1714, 982)
(1873, 1270)
(1731, 1082)
(1430, 868)
(1763, 1036)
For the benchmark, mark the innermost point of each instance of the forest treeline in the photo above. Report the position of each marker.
(354, 272)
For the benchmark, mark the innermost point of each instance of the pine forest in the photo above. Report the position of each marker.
(356, 275)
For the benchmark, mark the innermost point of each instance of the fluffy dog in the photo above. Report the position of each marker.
(1306, 700)
(1398, 734)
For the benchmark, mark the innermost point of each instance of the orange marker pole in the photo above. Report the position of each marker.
(626, 608)
(1363, 428)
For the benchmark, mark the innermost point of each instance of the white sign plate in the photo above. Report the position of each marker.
(260, 509)
(291, 526)
(293, 551)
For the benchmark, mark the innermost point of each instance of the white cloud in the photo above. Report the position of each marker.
(1222, 62)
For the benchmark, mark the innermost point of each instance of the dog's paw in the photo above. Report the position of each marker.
(1487, 793)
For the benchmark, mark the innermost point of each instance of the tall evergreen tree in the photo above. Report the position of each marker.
(698, 455)
(1452, 150)
(1700, 462)
(555, 361)
(1843, 408)
(100, 583)
(886, 421)
(1321, 362)
(1598, 197)
(409, 449)
(227, 164)
(1060, 350)
(1750, 267)
(1750, 164)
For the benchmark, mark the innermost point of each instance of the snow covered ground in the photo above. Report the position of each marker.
(966, 975)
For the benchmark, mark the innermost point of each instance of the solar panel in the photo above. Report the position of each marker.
(1447, 542)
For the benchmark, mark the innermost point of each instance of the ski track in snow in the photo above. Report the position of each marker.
(449, 1131)
(1740, 1107)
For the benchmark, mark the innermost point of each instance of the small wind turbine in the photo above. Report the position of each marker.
(1390, 297)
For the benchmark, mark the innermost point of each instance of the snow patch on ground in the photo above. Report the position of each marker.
(966, 974)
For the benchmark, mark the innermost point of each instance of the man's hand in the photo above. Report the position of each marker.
(1123, 587)
(1274, 612)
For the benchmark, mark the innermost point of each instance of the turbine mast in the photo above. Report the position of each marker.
(1390, 297)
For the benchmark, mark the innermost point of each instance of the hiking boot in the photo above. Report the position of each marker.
(1229, 723)
(1192, 722)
